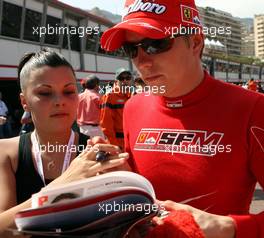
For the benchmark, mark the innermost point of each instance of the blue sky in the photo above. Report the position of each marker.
(241, 8)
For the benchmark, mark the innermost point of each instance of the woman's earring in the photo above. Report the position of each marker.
(25, 107)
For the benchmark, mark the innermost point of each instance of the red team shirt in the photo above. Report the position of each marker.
(205, 149)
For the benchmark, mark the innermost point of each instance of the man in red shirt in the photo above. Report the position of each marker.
(88, 112)
(201, 142)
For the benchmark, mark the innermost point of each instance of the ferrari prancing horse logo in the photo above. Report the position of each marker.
(187, 13)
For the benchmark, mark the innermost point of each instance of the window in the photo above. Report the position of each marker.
(246, 69)
(11, 20)
(91, 41)
(121, 53)
(255, 70)
(53, 33)
(32, 21)
(74, 38)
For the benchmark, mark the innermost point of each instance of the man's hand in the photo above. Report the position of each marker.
(213, 226)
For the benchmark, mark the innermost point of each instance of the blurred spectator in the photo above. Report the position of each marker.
(27, 124)
(139, 85)
(245, 86)
(82, 82)
(112, 108)
(88, 112)
(5, 127)
(252, 85)
(259, 88)
(205, 66)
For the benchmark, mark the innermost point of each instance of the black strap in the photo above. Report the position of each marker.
(82, 142)
(28, 180)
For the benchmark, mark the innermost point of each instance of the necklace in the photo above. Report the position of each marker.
(37, 155)
(51, 165)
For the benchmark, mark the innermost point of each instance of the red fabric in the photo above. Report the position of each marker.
(111, 117)
(88, 111)
(252, 86)
(214, 114)
(179, 224)
(153, 20)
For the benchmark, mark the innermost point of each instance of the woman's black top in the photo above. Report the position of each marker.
(28, 180)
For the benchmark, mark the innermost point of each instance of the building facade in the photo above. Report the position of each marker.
(248, 40)
(259, 36)
(30, 25)
(222, 26)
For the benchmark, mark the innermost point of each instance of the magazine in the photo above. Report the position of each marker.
(102, 206)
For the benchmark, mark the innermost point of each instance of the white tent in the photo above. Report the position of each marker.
(212, 44)
(218, 43)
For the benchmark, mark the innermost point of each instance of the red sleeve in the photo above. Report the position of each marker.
(106, 120)
(126, 138)
(253, 225)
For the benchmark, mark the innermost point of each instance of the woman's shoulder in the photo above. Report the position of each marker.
(9, 151)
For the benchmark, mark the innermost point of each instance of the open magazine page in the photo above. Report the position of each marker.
(106, 204)
(92, 187)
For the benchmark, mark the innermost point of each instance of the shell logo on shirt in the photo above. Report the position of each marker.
(194, 142)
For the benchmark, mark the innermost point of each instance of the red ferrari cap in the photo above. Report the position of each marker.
(154, 19)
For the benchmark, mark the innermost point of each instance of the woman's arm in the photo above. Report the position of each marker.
(8, 206)
(83, 166)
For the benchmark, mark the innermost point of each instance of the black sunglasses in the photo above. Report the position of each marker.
(124, 77)
(150, 46)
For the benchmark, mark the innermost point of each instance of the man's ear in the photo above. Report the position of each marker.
(24, 102)
(197, 44)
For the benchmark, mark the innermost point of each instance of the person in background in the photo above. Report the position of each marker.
(88, 112)
(27, 124)
(140, 86)
(111, 119)
(259, 87)
(252, 85)
(5, 127)
(201, 142)
(82, 83)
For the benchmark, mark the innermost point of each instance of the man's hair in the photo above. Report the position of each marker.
(91, 82)
(187, 41)
(35, 60)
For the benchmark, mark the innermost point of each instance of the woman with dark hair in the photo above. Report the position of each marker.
(50, 155)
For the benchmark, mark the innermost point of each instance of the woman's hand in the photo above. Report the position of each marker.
(213, 226)
(85, 165)
(99, 140)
